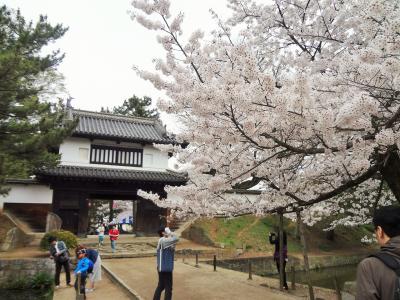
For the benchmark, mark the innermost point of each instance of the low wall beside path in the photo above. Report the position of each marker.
(19, 269)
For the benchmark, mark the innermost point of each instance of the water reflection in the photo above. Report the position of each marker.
(325, 277)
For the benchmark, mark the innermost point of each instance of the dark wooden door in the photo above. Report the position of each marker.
(70, 219)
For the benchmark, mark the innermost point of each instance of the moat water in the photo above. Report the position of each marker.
(324, 277)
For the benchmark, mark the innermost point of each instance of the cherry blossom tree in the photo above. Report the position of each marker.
(302, 97)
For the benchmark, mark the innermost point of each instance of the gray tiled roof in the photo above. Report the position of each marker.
(80, 172)
(112, 126)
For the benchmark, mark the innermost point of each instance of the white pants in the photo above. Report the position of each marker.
(96, 274)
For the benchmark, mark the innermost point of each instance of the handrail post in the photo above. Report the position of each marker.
(79, 296)
(250, 271)
(197, 260)
(337, 288)
(293, 271)
(215, 263)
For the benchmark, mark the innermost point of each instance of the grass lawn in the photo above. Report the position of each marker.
(253, 232)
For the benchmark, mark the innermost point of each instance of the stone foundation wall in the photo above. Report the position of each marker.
(12, 269)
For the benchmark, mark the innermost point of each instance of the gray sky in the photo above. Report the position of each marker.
(103, 43)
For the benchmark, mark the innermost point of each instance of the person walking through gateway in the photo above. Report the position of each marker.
(165, 262)
(59, 252)
(100, 232)
(113, 234)
(378, 276)
(274, 240)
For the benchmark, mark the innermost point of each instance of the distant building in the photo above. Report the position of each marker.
(107, 157)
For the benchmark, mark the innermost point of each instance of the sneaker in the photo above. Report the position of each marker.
(89, 290)
(69, 285)
(57, 286)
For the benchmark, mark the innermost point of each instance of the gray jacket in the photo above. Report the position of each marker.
(376, 281)
(166, 253)
(63, 252)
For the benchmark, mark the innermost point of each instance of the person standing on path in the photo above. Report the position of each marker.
(378, 276)
(274, 240)
(165, 262)
(114, 234)
(59, 252)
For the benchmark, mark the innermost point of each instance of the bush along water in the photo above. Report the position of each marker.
(68, 237)
(37, 287)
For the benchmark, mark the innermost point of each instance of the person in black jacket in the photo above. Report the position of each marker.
(59, 252)
(274, 240)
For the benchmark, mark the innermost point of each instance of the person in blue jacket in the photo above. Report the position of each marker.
(84, 266)
(165, 262)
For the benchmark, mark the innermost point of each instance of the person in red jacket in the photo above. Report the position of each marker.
(114, 234)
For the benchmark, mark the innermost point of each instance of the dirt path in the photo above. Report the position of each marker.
(192, 283)
(104, 290)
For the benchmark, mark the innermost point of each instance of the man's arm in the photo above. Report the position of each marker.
(366, 287)
(169, 241)
(272, 239)
(52, 251)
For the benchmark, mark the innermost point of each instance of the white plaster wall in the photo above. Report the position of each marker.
(154, 158)
(27, 193)
(72, 150)
(69, 151)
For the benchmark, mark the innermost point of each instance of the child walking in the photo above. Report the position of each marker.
(100, 231)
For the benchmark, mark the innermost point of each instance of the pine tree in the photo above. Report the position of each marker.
(135, 107)
(30, 128)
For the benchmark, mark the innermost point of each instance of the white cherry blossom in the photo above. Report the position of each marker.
(302, 96)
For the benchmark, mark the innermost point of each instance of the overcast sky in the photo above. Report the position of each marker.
(103, 43)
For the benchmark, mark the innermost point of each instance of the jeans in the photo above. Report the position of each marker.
(164, 283)
(113, 245)
(59, 265)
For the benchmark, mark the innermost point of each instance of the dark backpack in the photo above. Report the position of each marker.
(91, 265)
(391, 262)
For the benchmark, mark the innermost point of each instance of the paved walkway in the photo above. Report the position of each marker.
(105, 290)
(129, 246)
(191, 283)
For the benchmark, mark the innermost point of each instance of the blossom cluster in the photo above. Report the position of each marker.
(302, 96)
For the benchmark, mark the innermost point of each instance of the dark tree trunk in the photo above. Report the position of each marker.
(281, 258)
(305, 255)
(111, 207)
(330, 235)
(391, 174)
(298, 229)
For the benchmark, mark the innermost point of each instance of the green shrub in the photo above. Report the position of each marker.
(18, 283)
(62, 235)
(42, 280)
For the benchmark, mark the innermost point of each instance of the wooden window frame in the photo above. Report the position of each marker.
(116, 156)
